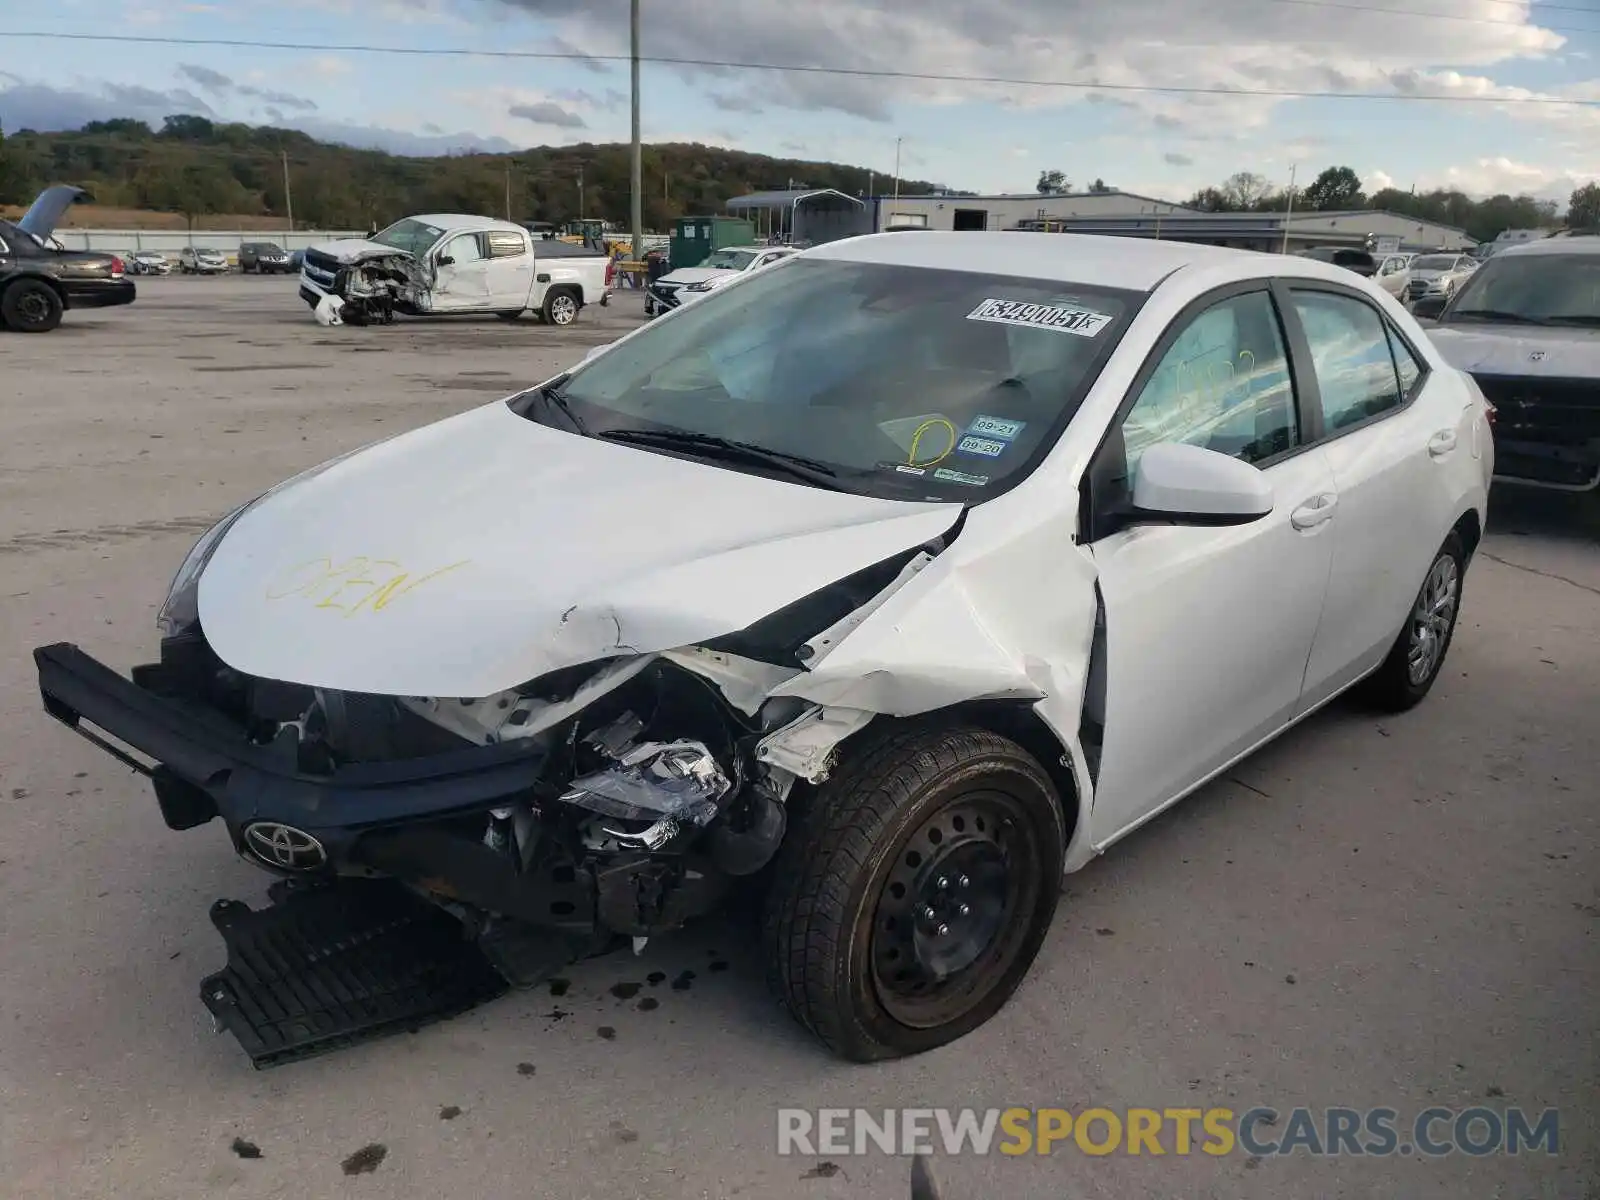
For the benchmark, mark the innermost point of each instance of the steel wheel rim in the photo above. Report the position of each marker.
(1432, 619)
(924, 978)
(33, 307)
(563, 309)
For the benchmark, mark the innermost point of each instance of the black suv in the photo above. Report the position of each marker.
(264, 258)
(1358, 261)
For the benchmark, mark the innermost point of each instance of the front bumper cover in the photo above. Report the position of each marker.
(204, 767)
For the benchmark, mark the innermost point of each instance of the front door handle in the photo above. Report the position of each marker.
(1442, 443)
(1314, 511)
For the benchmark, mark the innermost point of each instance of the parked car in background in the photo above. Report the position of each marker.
(1394, 272)
(148, 262)
(39, 281)
(452, 263)
(720, 267)
(1526, 326)
(894, 582)
(1359, 261)
(264, 258)
(195, 261)
(1434, 278)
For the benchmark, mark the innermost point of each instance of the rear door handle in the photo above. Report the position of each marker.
(1314, 511)
(1442, 443)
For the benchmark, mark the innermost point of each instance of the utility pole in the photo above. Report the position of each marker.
(897, 142)
(580, 191)
(288, 200)
(1288, 209)
(508, 189)
(636, 212)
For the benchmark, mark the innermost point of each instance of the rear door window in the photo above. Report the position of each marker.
(1351, 355)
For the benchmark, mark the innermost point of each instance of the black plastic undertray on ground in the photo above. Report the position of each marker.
(327, 967)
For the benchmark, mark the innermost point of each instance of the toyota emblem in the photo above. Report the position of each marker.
(284, 847)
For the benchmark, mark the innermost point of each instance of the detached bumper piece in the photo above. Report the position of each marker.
(326, 967)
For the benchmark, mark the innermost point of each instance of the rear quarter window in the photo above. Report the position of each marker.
(504, 244)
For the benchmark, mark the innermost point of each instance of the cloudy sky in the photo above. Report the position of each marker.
(989, 137)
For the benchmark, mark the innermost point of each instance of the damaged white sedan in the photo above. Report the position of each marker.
(891, 583)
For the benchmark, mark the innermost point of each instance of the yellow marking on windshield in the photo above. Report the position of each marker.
(916, 440)
(357, 585)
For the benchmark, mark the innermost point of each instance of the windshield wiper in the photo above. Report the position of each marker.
(1495, 314)
(710, 445)
(552, 395)
(1581, 319)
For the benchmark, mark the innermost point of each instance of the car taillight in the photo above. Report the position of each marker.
(117, 267)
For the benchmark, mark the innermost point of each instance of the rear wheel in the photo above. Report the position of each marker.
(560, 308)
(30, 306)
(1418, 654)
(912, 895)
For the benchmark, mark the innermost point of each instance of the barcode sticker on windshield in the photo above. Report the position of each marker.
(1080, 321)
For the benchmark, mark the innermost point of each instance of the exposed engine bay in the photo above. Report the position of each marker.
(372, 291)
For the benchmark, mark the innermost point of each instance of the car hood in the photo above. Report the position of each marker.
(467, 557)
(47, 208)
(354, 250)
(1487, 349)
(690, 275)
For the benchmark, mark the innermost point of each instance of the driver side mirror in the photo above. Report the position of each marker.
(444, 260)
(1191, 485)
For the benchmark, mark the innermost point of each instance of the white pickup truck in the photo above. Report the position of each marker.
(450, 263)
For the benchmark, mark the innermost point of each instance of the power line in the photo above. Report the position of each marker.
(852, 72)
(1442, 16)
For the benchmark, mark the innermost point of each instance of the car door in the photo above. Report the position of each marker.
(1391, 433)
(510, 269)
(1206, 629)
(461, 274)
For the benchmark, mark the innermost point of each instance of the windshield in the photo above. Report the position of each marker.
(905, 382)
(1433, 262)
(1557, 289)
(729, 260)
(410, 235)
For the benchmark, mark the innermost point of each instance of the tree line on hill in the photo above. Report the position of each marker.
(197, 167)
(1339, 188)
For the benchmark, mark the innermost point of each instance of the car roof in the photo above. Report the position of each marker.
(1562, 245)
(1137, 264)
(453, 221)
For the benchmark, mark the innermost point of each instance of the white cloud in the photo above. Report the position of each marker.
(1131, 44)
(1492, 176)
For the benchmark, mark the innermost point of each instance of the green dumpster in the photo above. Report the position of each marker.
(694, 238)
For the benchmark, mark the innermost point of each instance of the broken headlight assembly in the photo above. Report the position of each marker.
(181, 609)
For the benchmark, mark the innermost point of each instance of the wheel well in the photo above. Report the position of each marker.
(571, 289)
(1470, 530)
(53, 284)
(1018, 721)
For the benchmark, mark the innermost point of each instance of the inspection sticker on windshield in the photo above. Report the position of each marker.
(1080, 321)
(945, 475)
(996, 427)
(983, 447)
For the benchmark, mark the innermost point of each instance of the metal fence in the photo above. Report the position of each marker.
(170, 241)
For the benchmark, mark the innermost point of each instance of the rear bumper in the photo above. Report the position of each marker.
(102, 295)
(202, 766)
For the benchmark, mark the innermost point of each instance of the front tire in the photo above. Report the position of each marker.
(1417, 656)
(30, 306)
(913, 893)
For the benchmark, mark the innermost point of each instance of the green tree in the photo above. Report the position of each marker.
(1053, 183)
(1336, 188)
(1583, 209)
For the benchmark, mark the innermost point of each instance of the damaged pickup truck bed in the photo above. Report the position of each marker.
(883, 586)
